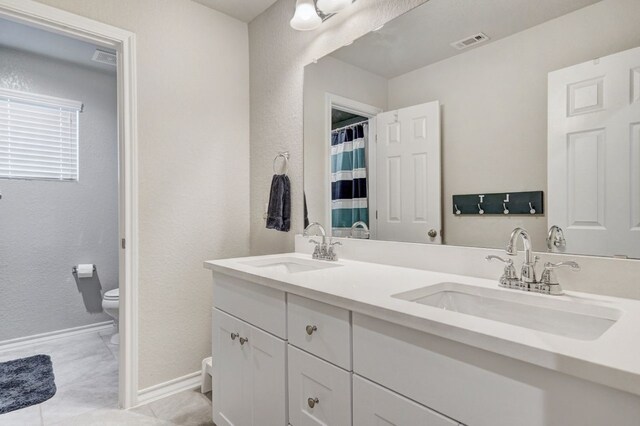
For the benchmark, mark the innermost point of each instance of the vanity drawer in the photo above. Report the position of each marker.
(373, 404)
(258, 305)
(330, 329)
(479, 387)
(319, 392)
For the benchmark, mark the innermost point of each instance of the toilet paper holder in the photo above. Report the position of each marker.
(74, 270)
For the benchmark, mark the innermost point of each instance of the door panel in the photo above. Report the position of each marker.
(231, 377)
(593, 189)
(408, 169)
(268, 388)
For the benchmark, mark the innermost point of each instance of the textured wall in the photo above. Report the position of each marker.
(193, 128)
(278, 55)
(49, 226)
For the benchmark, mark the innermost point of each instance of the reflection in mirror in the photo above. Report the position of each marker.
(493, 102)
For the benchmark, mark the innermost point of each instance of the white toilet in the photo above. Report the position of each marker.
(111, 306)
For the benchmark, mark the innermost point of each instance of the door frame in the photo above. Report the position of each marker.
(349, 105)
(51, 19)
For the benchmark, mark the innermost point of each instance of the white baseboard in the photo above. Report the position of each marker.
(162, 390)
(21, 342)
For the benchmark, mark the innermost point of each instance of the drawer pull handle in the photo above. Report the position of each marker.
(311, 329)
(243, 340)
(312, 402)
(234, 336)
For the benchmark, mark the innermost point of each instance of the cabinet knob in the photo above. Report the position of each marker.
(311, 329)
(234, 336)
(243, 340)
(312, 402)
(432, 233)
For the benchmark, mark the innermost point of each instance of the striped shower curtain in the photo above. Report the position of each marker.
(349, 178)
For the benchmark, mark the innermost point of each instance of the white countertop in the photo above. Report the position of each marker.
(613, 359)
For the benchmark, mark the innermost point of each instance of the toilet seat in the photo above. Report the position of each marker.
(112, 294)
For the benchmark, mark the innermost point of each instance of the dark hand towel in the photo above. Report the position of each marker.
(306, 211)
(279, 214)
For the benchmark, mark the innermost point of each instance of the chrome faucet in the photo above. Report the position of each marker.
(323, 250)
(555, 238)
(360, 224)
(548, 283)
(323, 233)
(528, 271)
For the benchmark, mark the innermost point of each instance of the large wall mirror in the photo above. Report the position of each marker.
(463, 119)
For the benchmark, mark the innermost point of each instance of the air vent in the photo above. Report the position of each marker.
(105, 57)
(470, 41)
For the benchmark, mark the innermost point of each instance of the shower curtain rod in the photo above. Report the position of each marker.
(350, 125)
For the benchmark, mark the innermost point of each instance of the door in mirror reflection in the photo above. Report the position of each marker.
(594, 154)
(407, 170)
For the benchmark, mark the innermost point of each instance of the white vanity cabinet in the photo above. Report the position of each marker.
(281, 359)
(249, 370)
(249, 362)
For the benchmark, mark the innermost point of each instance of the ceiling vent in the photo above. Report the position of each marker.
(105, 57)
(470, 41)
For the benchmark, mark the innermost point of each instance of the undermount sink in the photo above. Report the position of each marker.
(291, 265)
(542, 313)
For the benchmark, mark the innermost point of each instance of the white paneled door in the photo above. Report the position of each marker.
(408, 174)
(594, 155)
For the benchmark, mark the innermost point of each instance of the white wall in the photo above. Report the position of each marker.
(494, 112)
(278, 56)
(332, 76)
(193, 129)
(47, 227)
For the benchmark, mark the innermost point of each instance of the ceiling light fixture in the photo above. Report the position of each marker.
(310, 14)
(306, 17)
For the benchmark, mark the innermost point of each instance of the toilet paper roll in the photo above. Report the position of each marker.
(85, 270)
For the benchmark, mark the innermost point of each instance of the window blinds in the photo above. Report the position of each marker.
(38, 136)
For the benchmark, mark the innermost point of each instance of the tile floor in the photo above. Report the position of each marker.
(86, 372)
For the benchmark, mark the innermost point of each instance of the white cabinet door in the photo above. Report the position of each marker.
(248, 374)
(231, 375)
(375, 405)
(408, 174)
(594, 154)
(319, 393)
(269, 392)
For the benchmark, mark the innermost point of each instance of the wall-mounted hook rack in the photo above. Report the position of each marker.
(502, 203)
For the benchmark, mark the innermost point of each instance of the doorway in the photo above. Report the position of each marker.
(46, 18)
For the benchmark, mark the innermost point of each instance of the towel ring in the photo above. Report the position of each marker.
(285, 157)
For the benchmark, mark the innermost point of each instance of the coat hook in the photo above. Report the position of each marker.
(506, 210)
(480, 209)
(458, 212)
(531, 209)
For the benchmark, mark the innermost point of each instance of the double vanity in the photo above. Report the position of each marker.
(309, 342)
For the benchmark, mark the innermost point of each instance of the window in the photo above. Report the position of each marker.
(38, 136)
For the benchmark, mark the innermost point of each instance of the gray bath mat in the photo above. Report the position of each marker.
(25, 382)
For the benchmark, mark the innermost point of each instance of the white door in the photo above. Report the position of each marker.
(408, 174)
(594, 155)
(269, 396)
(231, 375)
(249, 374)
